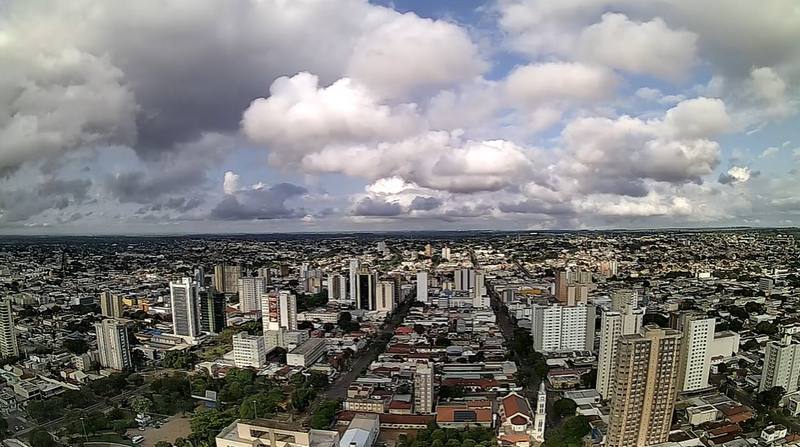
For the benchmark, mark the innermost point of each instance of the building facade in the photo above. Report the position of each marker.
(112, 344)
(249, 351)
(184, 305)
(251, 289)
(423, 388)
(645, 388)
(613, 325)
(557, 328)
(8, 333)
(781, 365)
(695, 361)
(110, 305)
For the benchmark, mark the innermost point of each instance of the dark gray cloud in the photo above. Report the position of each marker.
(423, 203)
(264, 203)
(377, 207)
(141, 187)
(535, 206)
(57, 194)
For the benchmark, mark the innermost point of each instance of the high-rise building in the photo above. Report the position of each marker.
(226, 278)
(279, 314)
(446, 253)
(572, 286)
(251, 289)
(353, 273)
(422, 286)
(557, 328)
(781, 365)
(112, 344)
(337, 287)
(8, 334)
(428, 250)
(110, 304)
(613, 325)
(212, 311)
(464, 279)
(183, 301)
(384, 297)
(423, 388)
(265, 273)
(249, 351)
(366, 283)
(645, 388)
(607, 268)
(695, 360)
(540, 416)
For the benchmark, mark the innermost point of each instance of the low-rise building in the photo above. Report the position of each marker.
(271, 433)
(308, 353)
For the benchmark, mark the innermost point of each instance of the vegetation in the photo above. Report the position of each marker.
(41, 438)
(569, 434)
(565, 407)
(307, 301)
(179, 359)
(346, 323)
(324, 414)
(532, 365)
(766, 328)
(447, 437)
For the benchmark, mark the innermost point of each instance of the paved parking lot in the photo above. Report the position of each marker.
(171, 429)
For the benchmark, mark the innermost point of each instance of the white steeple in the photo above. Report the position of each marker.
(540, 415)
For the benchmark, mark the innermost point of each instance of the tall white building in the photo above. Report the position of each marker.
(464, 279)
(110, 304)
(8, 334)
(353, 272)
(337, 287)
(540, 416)
(184, 304)
(423, 388)
(112, 344)
(613, 325)
(422, 286)
(557, 328)
(251, 289)
(446, 253)
(695, 361)
(249, 351)
(781, 365)
(384, 296)
(279, 315)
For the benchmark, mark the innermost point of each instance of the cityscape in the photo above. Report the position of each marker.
(618, 338)
(399, 223)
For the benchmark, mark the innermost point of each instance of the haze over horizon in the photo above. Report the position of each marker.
(248, 116)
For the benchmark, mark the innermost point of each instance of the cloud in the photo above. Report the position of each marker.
(736, 174)
(17, 205)
(230, 183)
(263, 203)
(299, 116)
(769, 152)
(650, 48)
(408, 52)
(371, 206)
(425, 203)
(552, 81)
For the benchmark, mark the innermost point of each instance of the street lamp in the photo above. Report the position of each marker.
(255, 410)
(85, 436)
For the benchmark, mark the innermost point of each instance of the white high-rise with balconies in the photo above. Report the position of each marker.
(184, 307)
(8, 333)
(557, 328)
(695, 361)
(423, 388)
(279, 315)
(422, 287)
(112, 344)
(781, 365)
(251, 289)
(353, 273)
(623, 319)
(249, 351)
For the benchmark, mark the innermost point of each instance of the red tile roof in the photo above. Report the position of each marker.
(515, 404)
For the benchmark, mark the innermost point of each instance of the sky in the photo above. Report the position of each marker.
(237, 116)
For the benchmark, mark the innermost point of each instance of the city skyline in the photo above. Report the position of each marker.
(272, 116)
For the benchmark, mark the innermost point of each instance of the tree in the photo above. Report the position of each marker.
(178, 359)
(565, 407)
(754, 308)
(419, 329)
(327, 327)
(751, 345)
(451, 392)
(569, 434)
(163, 444)
(41, 438)
(324, 415)
(442, 340)
(141, 404)
(772, 397)
(306, 325)
(766, 328)
(76, 346)
(3, 427)
(206, 424)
